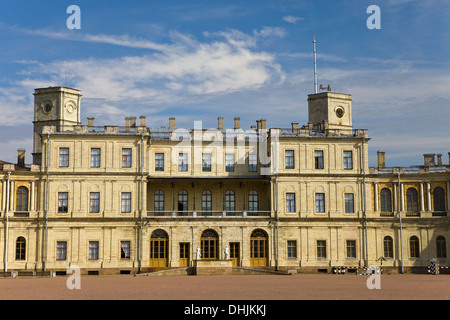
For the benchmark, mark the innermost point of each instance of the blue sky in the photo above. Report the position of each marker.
(197, 60)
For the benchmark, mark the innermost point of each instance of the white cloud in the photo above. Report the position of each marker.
(271, 32)
(292, 19)
(230, 63)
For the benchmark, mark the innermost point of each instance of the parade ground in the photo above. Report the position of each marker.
(234, 287)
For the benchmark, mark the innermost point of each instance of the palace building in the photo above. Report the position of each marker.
(133, 198)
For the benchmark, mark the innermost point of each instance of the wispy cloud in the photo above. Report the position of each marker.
(292, 19)
(220, 63)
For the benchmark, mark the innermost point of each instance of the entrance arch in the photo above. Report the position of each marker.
(159, 249)
(209, 245)
(259, 248)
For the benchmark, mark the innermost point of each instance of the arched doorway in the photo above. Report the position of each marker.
(258, 248)
(159, 248)
(209, 245)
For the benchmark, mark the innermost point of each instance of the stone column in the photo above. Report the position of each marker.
(448, 196)
(428, 197)
(402, 202)
(422, 207)
(4, 187)
(395, 197)
(376, 196)
(12, 207)
(32, 196)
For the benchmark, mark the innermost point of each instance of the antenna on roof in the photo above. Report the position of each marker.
(315, 69)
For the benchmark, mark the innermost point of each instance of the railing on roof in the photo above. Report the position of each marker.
(208, 214)
(326, 133)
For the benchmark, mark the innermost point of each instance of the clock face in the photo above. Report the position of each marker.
(48, 108)
(339, 112)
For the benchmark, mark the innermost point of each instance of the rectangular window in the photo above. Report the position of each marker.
(94, 202)
(61, 250)
(318, 159)
(349, 203)
(348, 160)
(159, 200)
(289, 159)
(321, 249)
(292, 249)
(320, 202)
(229, 162)
(63, 157)
(126, 158)
(93, 250)
(351, 249)
(252, 163)
(63, 201)
(125, 250)
(182, 162)
(206, 162)
(95, 158)
(290, 202)
(159, 161)
(126, 201)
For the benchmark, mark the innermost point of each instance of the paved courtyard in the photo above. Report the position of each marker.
(236, 287)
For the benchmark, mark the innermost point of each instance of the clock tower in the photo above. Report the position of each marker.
(333, 108)
(58, 107)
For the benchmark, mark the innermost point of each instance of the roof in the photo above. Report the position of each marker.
(16, 167)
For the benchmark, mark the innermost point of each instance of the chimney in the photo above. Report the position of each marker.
(449, 158)
(263, 123)
(132, 122)
(172, 123)
(220, 123)
(381, 159)
(21, 157)
(428, 160)
(90, 122)
(294, 126)
(439, 159)
(237, 124)
(258, 124)
(127, 124)
(142, 121)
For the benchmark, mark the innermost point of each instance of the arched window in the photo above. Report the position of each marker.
(441, 247)
(385, 198)
(411, 200)
(258, 248)
(253, 200)
(438, 200)
(414, 250)
(159, 248)
(209, 244)
(22, 199)
(230, 201)
(159, 200)
(388, 245)
(182, 200)
(206, 201)
(20, 248)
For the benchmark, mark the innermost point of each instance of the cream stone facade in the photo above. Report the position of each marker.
(135, 198)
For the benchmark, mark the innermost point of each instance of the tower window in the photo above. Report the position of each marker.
(126, 158)
(95, 158)
(159, 161)
(318, 159)
(63, 157)
(348, 160)
(289, 159)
